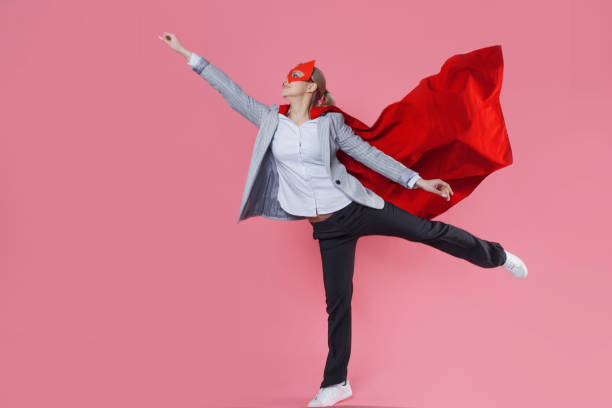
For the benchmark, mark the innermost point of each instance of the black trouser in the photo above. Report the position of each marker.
(338, 236)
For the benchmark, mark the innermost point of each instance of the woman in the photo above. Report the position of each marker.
(295, 174)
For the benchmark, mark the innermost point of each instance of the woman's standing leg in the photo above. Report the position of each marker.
(394, 221)
(338, 260)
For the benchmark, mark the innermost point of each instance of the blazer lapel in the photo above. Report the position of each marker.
(267, 136)
(323, 133)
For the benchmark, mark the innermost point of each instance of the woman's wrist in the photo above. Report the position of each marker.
(185, 53)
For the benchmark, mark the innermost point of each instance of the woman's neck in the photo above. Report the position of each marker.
(299, 110)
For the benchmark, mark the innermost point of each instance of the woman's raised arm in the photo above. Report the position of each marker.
(233, 94)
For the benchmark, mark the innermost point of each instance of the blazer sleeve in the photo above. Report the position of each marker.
(361, 150)
(233, 94)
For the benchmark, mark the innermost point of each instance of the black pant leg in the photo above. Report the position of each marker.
(394, 221)
(338, 260)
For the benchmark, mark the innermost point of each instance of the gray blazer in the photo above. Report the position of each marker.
(260, 191)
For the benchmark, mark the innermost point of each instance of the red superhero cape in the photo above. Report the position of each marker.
(450, 127)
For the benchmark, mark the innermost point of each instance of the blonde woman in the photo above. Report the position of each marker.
(294, 175)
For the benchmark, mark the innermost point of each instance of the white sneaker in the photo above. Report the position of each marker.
(515, 265)
(328, 396)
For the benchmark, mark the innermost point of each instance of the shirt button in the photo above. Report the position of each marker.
(337, 181)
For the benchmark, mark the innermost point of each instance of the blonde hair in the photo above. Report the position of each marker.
(321, 97)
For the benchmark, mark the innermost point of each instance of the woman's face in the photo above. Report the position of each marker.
(297, 88)
(297, 82)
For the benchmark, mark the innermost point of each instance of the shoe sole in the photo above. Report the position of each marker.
(344, 399)
(339, 401)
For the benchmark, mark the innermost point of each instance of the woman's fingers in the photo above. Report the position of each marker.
(167, 37)
(170, 40)
(444, 189)
(441, 189)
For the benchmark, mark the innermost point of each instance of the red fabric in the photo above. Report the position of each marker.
(450, 127)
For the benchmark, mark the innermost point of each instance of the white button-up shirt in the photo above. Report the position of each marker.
(304, 186)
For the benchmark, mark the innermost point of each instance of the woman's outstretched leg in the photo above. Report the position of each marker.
(394, 221)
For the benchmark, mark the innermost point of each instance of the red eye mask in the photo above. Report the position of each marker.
(302, 72)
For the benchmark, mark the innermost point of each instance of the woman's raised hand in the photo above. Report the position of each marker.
(436, 186)
(172, 42)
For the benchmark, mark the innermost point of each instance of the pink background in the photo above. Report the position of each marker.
(126, 281)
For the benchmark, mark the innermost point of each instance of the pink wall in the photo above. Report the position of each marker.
(126, 281)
